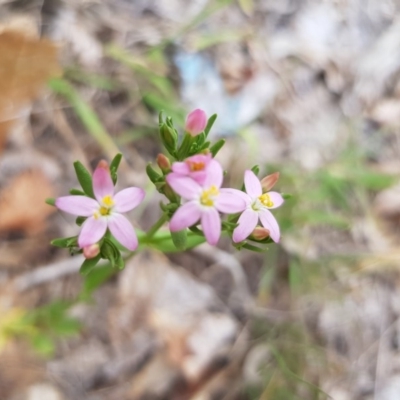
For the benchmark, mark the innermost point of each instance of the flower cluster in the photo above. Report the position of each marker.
(196, 177)
(191, 179)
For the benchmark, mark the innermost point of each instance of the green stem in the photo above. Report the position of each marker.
(156, 226)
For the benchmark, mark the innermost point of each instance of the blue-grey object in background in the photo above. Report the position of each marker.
(202, 87)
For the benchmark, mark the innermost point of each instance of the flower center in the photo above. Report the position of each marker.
(196, 165)
(107, 203)
(265, 200)
(208, 196)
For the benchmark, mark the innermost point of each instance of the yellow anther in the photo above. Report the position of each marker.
(104, 211)
(208, 196)
(108, 201)
(265, 200)
(96, 215)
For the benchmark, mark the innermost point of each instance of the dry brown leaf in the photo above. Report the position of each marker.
(22, 203)
(25, 65)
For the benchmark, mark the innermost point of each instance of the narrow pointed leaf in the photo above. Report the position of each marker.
(84, 178)
(89, 264)
(210, 123)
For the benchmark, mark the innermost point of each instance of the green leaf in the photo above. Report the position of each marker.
(286, 196)
(65, 242)
(84, 178)
(180, 239)
(166, 245)
(114, 167)
(216, 147)
(96, 278)
(89, 264)
(153, 175)
(256, 169)
(51, 201)
(77, 192)
(210, 123)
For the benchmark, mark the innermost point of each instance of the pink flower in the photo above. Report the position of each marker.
(105, 211)
(204, 202)
(258, 206)
(196, 121)
(195, 167)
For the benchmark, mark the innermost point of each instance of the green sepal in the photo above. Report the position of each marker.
(196, 230)
(120, 262)
(114, 167)
(77, 192)
(110, 252)
(179, 239)
(216, 147)
(84, 178)
(65, 242)
(210, 123)
(89, 264)
(171, 207)
(80, 220)
(153, 175)
(51, 201)
(256, 169)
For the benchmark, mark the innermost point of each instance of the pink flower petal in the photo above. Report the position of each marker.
(211, 224)
(246, 198)
(93, 229)
(269, 222)
(77, 205)
(180, 168)
(185, 216)
(128, 199)
(276, 198)
(102, 182)
(184, 186)
(199, 176)
(252, 184)
(215, 175)
(123, 231)
(247, 222)
(230, 202)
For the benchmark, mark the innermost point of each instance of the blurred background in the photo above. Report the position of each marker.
(308, 88)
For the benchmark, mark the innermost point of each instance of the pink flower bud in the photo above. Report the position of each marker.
(269, 181)
(91, 251)
(260, 233)
(196, 121)
(163, 163)
(103, 164)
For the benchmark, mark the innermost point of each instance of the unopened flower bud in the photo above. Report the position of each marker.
(269, 181)
(169, 137)
(91, 251)
(103, 164)
(164, 163)
(196, 122)
(260, 233)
